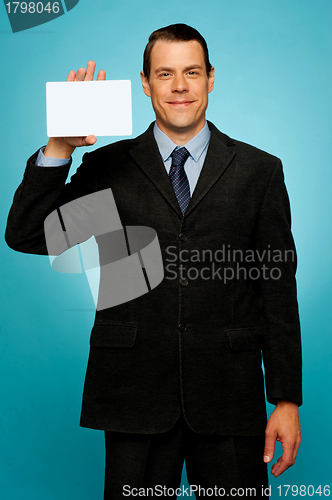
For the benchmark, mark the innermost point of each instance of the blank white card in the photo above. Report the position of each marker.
(100, 108)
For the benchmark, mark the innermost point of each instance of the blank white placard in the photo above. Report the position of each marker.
(78, 109)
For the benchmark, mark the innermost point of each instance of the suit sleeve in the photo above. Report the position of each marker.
(281, 339)
(41, 191)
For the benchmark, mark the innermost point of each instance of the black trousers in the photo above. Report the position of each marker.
(150, 465)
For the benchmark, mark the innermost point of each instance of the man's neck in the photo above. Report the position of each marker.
(180, 137)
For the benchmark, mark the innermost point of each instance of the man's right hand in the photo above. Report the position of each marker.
(63, 147)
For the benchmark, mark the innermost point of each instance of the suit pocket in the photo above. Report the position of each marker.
(244, 339)
(112, 335)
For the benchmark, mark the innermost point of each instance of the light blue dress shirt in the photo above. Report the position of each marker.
(197, 148)
(42, 161)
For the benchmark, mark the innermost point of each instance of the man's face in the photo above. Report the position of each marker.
(178, 87)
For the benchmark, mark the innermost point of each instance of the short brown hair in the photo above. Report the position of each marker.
(174, 33)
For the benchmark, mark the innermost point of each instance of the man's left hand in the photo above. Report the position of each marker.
(284, 426)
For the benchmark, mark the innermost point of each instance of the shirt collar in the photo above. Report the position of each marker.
(195, 146)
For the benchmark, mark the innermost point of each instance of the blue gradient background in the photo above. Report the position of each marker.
(273, 89)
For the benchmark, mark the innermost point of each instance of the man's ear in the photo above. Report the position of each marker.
(211, 80)
(145, 84)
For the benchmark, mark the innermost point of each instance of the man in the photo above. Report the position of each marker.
(176, 374)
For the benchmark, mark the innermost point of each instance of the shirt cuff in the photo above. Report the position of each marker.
(42, 161)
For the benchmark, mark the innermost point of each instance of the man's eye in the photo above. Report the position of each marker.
(164, 74)
(192, 73)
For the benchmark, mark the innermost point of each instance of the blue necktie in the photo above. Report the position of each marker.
(179, 177)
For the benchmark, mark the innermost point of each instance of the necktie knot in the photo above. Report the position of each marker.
(180, 156)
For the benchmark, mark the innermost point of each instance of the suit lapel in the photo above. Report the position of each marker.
(146, 155)
(219, 155)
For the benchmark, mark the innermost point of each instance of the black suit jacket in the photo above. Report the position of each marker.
(196, 341)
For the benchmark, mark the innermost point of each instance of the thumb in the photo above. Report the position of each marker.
(270, 440)
(89, 140)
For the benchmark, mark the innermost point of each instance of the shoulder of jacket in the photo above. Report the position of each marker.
(252, 152)
(245, 151)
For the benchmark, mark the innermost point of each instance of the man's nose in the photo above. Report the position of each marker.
(179, 83)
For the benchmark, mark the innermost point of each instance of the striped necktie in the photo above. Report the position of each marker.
(179, 177)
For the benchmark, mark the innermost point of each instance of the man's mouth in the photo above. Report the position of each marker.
(180, 103)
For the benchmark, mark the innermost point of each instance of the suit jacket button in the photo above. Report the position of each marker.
(183, 237)
(183, 282)
(182, 327)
